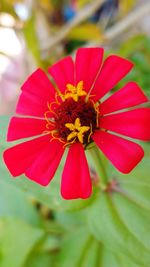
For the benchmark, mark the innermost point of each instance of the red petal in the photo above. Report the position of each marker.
(31, 105)
(133, 123)
(128, 96)
(25, 127)
(44, 166)
(37, 91)
(87, 64)
(38, 84)
(113, 70)
(63, 73)
(76, 181)
(18, 158)
(123, 154)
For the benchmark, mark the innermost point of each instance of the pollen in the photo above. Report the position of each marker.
(76, 130)
(75, 91)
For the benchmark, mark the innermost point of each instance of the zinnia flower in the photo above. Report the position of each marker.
(72, 114)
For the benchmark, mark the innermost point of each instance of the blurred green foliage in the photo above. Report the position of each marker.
(137, 49)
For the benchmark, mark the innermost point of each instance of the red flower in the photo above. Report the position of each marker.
(71, 116)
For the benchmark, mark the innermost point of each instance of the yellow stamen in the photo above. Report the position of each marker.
(80, 137)
(75, 91)
(70, 126)
(77, 124)
(71, 135)
(77, 130)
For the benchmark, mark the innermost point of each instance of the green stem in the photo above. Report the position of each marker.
(97, 159)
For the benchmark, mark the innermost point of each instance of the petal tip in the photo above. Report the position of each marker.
(7, 164)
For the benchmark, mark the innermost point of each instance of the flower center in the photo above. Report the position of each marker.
(75, 118)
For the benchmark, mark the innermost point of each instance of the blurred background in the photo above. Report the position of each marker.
(38, 33)
(37, 228)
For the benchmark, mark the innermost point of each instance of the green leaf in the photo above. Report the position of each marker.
(32, 40)
(3, 129)
(51, 243)
(42, 259)
(121, 220)
(110, 259)
(137, 49)
(112, 230)
(74, 247)
(50, 195)
(133, 45)
(17, 239)
(86, 32)
(44, 253)
(136, 186)
(14, 203)
(80, 249)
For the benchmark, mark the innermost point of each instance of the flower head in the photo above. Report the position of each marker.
(73, 114)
